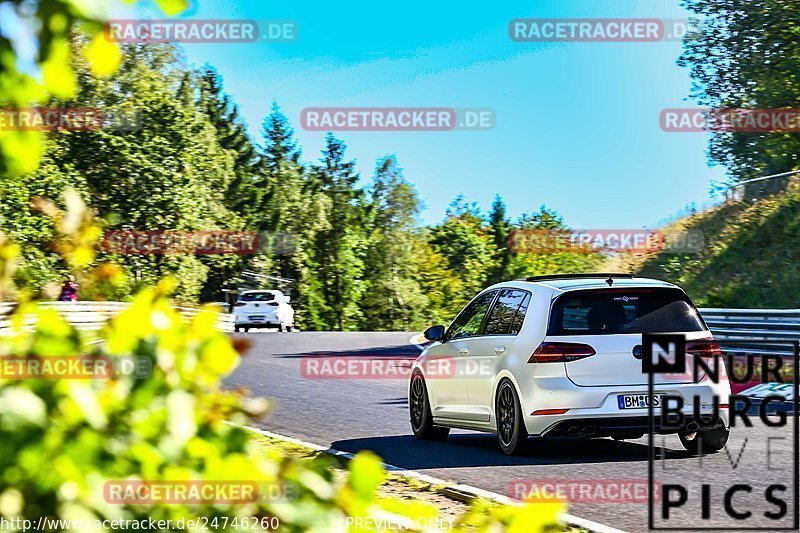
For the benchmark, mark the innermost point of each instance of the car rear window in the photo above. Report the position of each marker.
(609, 311)
(257, 297)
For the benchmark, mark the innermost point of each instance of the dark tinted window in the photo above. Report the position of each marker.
(516, 325)
(257, 297)
(468, 322)
(611, 311)
(504, 318)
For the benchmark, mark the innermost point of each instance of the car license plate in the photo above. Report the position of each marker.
(638, 401)
(256, 318)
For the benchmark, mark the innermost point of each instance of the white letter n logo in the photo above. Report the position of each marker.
(663, 353)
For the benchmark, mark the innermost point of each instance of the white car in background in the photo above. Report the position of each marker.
(562, 356)
(263, 309)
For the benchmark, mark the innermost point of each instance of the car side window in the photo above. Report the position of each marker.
(519, 317)
(508, 312)
(469, 320)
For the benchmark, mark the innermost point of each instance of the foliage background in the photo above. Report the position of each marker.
(360, 260)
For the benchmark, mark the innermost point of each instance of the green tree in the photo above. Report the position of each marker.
(443, 287)
(280, 146)
(747, 55)
(39, 268)
(341, 246)
(167, 173)
(551, 229)
(297, 211)
(393, 299)
(500, 228)
(467, 244)
(248, 192)
(249, 185)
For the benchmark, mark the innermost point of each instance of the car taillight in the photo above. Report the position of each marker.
(709, 351)
(240, 304)
(706, 349)
(561, 352)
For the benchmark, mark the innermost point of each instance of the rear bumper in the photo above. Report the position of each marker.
(269, 324)
(618, 426)
(598, 407)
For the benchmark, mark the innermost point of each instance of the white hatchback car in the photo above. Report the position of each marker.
(263, 309)
(561, 356)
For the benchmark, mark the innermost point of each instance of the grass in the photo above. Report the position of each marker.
(751, 256)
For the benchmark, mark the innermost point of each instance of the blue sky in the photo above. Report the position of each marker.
(577, 124)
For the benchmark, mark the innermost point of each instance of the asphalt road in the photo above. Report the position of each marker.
(370, 414)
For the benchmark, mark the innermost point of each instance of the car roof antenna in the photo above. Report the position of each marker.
(610, 280)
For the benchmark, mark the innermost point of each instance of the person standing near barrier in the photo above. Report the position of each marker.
(69, 291)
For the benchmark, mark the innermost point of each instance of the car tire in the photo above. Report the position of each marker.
(289, 329)
(713, 440)
(236, 329)
(280, 327)
(511, 432)
(246, 330)
(420, 412)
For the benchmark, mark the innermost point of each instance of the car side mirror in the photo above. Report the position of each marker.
(287, 299)
(434, 333)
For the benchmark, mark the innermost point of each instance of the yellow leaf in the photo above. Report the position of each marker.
(22, 150)
(366, 474)
(173, 7)
(204, 322)
(103, 55)
(59, 78)
(219, 355)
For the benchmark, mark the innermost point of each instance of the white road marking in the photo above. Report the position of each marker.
(418, 340)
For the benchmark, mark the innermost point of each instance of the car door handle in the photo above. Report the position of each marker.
(500, 350)
(463, 351)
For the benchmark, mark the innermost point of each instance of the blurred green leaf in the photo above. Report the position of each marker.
(103, 55)
(59, 78)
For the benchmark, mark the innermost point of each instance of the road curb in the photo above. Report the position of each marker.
(456, 491)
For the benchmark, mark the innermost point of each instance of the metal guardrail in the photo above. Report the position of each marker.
(755, 325)
(726, 324)
(762, 187)
(90, 315)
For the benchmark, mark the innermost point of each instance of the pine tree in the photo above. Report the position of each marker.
(341, 246)
(246, 192)
(500, 228)
(280, 146)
